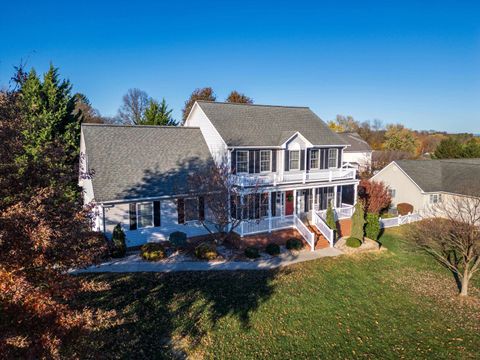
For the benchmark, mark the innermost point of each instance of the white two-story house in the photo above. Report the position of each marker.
(289, 152)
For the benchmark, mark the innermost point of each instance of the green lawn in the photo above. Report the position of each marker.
(393, 304)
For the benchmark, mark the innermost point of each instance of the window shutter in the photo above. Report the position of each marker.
(156, 213)
(181, 211)
(201, 208)
(287, 159)
(273, 203)
(251, 161)
(339, 154)
(133, 216)
(302, 159)
(274, 160)
(308, 159)
(257, 161)
(322, 159)
(233, 161)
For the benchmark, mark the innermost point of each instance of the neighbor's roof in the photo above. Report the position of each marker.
(267, 125)
(458, 176)
(357, 144)
(131, 162)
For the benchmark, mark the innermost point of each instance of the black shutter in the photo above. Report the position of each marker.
(251, 161)
(287, 156)
(322, 159)
(339, 157)
(133, 216)
(273, 203)
(308, 158)
(156, 213)
(274, 160)
(201, 208)
(257, 161)
(302, 159)
(257, 206)
(181, 211)
(233, 161)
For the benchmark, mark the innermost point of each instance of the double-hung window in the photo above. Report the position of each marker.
(191, 209)
(145, 214)
(392, 192)
(265, 160)
(294, 160)
(435, 198)
(242, 161)
(332, 158)
(314, 159)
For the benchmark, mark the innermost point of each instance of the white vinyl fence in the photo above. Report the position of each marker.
(400, 220)
(306, 233)
(323, 228)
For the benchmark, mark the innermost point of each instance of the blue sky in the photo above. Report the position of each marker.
(417, 64)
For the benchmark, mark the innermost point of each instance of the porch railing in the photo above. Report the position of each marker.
(343, 212)
(323, 228)
(264, 225)
(306, 233)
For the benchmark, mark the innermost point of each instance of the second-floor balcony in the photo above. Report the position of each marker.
(294, 177)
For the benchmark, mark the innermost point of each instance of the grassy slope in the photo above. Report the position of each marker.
(373, 305)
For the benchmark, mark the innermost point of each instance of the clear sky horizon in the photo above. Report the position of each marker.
(404, 62)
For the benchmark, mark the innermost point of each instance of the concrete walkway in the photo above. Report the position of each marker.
(134, 263)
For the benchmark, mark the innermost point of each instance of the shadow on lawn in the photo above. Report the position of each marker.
(163, 313)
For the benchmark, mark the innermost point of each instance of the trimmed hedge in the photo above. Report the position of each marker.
(178, 239)
(294, 244)
(153, 251)
(119, 247)
(206, 251)
(404, 208)
(252, 252)
(372, 228)
(272, 249)
(353, 242)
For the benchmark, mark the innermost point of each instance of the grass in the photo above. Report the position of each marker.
(391, 304)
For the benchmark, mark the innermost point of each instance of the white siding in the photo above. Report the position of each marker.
(215, 143)
(86, 184)
(405, 188)
(363, 159)
(168, 224)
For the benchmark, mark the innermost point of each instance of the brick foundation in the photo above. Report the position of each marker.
(344, 227)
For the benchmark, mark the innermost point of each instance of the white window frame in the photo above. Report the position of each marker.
(392, 192)
(269, 152)
(290, 160)
(137, 212)
(317, 151)
(330, 158)
(197, 212)
(435, 198)
(248, 160)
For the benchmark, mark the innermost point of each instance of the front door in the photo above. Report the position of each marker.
(288, 202)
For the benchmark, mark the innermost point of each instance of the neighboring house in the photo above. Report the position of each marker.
(359, 154)
(425, 183)
(140, 172)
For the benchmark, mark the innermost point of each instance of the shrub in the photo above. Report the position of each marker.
(119, 247)
(252, 252)
(272, 249)
(153, 251)
(330, 218)
(358, 221)
(206, 251)
(294, 244)
(178, 239)
(353, 242)
(372, 228)
(404, 208)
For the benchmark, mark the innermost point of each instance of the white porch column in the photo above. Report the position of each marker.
(355, 193)
(295, 201)
(335, 188)
(269, 211)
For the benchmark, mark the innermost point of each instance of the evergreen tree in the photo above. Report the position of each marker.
(449, 148)
(372, 227)
(358, 221)
(157, 114)
(332, 224)
(471, 149)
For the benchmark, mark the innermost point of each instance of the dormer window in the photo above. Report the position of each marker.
(294, 160)
(265, 160)
(242, 161)
(332, 158)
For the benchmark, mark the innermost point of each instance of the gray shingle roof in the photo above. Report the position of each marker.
(267, 125)
(132, 162)
(357, 144)
(458, 176)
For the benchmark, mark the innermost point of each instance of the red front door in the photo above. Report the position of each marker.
(289, 203)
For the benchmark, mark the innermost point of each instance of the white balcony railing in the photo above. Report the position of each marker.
(343, 212)
(294, 177)
(264, 225)
(323, 228)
